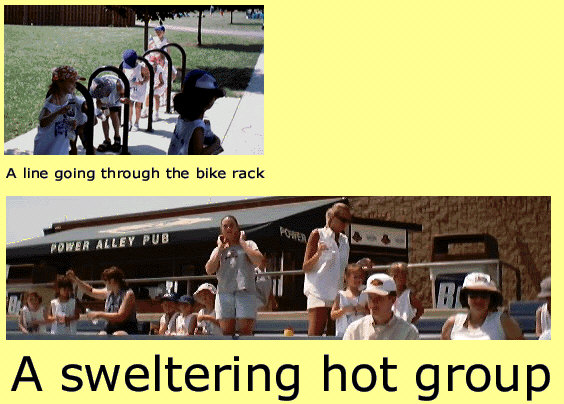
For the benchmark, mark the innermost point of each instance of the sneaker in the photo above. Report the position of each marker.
(156, 117)
(144, 113)
(135, 127)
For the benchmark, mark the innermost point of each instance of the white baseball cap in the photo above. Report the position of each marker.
(381, 284)
(205, 286)
(479, 281)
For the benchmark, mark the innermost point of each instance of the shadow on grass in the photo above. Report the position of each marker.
(252, 48)
(235, 79)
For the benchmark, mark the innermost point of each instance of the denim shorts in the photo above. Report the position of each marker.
(239, 304)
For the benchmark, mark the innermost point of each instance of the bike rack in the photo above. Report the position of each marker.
(151, 90)
(169, 78)
(125, 81)
(89, 126)
(181, 49)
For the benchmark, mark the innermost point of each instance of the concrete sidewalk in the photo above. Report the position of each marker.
(238, 122)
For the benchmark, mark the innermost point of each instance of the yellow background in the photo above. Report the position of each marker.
(362, 98)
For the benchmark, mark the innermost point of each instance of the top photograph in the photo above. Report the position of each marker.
(139, 80)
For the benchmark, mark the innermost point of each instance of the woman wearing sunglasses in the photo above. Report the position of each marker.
(326, 256)
(483, 321)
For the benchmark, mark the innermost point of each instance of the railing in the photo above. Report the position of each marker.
(375, 268)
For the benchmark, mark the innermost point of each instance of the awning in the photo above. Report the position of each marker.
(285, 225)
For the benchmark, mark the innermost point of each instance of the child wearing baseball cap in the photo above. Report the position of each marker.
(186, 320)
(193, 134)
(207, 322)
(138, 76)
(61, 114)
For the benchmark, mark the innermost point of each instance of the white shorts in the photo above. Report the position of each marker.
(240, 304)
(314, 301)
(137, 93)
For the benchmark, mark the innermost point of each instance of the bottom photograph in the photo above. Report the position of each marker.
(320, 268)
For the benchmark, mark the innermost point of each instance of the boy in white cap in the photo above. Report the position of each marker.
(543, 312)
(381, 323)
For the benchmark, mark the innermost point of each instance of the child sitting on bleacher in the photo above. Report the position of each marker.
(167, 323)
(186, 320)
(207, 323)
(33, 318)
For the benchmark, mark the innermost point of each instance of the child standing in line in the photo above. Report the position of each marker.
(350, 304)
(63, 310)
(159, 89)
(186, 320)
(61, 114)
(207, 324)
(138, 76)
(33, 318)
(108, 92)
(159, 40)
(193, 135)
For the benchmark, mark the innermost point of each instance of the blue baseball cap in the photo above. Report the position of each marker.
(170, 297)
(129, 58)
(160, 28)
(202, 80)
(187, 299)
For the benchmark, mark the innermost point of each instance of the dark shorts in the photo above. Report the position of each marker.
(113, 109)
(129, 327)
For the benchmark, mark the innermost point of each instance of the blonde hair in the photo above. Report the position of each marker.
(334, 209)
(397, 266)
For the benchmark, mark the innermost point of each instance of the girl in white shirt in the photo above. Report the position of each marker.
(63, 310)
(33, 318)
(350, 304)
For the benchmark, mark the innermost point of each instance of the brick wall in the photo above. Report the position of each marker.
(521, 226)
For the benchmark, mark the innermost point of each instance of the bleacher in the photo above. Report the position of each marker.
(272, 324)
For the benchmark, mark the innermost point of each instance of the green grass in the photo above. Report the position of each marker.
(31, 51)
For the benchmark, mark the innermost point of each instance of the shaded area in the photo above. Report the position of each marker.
(235, 79)
(251, 48)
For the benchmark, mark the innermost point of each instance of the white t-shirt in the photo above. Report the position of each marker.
(54, 139)
(170, 324)
(136, 92)
(395, 329)
(66, 309)
(29, 316)
(209, 327)
(343, 322)
(183, 323)
(545, 318)
(402, 306)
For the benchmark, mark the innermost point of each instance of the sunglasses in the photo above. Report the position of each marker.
(343, 219)
(475, 294)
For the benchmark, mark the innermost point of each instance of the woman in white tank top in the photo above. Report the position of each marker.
(483, 321)
(326, 256)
